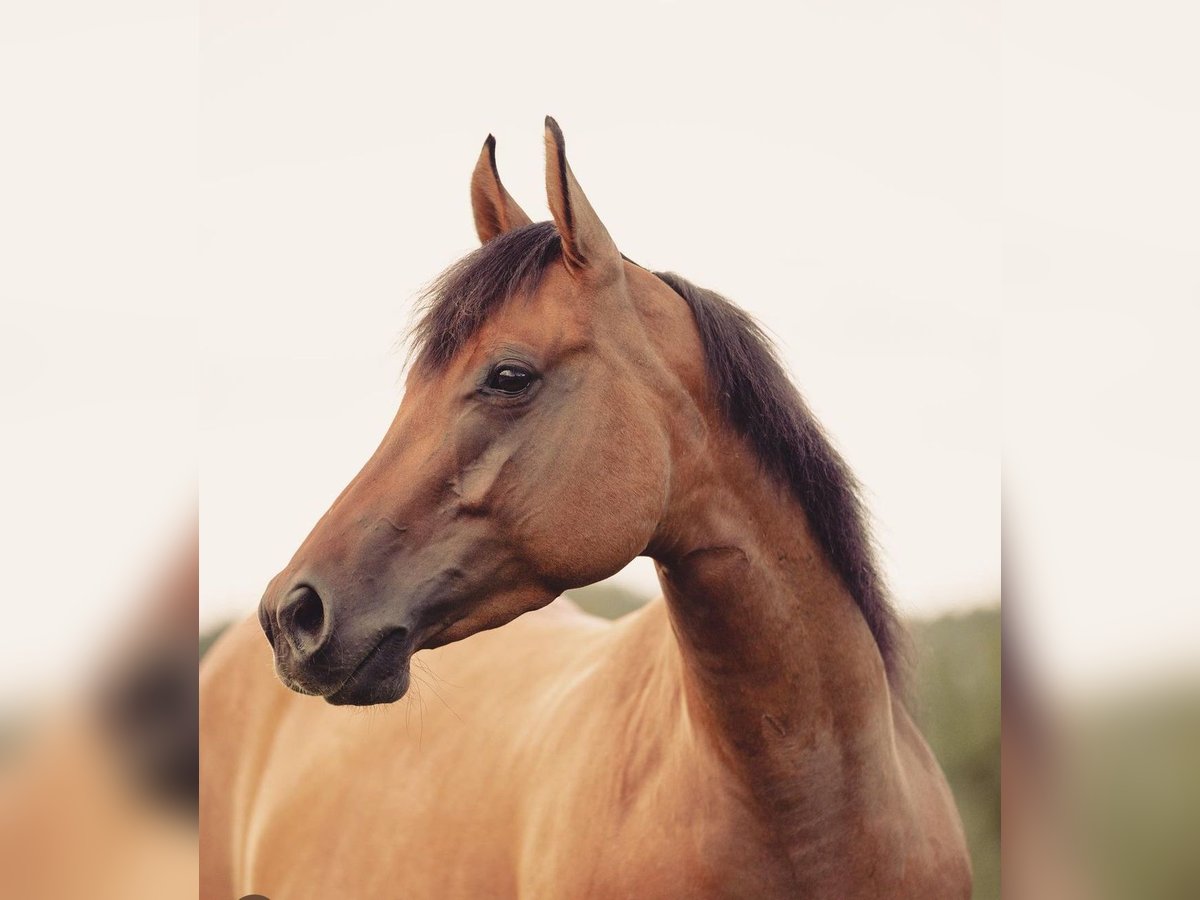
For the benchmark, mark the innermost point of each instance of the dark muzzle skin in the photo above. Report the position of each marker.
(362, 596)
(315, 655)
(338, 638)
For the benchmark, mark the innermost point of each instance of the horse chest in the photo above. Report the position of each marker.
(665, 843)
(654, 839)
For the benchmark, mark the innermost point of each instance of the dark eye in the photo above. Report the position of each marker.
(509, 379)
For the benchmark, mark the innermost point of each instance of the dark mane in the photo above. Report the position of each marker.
(757, 396)
(761, 402)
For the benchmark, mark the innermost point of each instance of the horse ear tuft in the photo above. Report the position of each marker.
(495, 210)
(586, 242)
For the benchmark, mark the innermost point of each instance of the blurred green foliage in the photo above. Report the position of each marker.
(956, 703)
(207, 638)
(607, 599)
(1135, 792)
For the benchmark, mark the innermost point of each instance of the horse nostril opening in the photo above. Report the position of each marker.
(302, 620)
(308, 612)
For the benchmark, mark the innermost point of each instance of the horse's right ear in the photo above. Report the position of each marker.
(495, 210)
(586, 242)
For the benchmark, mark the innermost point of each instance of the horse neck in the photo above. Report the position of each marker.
(781, 671)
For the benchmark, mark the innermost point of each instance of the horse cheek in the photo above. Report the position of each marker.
(610, 510)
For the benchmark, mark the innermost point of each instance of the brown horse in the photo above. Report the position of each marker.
(742, 736)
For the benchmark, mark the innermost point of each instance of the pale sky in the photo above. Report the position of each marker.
(833, 181)
(214, 223)
(1101, 316)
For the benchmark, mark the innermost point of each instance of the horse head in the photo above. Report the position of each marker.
(535, 449)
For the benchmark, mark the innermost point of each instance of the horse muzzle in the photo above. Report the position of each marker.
(314, 656)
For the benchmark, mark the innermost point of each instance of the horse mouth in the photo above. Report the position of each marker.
(381, 677)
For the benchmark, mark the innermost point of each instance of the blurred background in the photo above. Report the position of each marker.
(98, 462)
(213, 220)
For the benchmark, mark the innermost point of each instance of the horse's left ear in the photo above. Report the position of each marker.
(586, 242)
(495, 210)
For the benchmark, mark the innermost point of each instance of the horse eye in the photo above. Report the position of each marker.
(509, 379)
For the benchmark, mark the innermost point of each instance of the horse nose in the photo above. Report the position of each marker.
(301, 620)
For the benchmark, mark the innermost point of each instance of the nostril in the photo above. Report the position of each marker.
(302, 618)
(309, 613)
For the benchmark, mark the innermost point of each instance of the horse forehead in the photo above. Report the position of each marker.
(558, 311)
(565, 310)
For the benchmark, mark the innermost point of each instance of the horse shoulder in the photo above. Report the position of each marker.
(622, 775)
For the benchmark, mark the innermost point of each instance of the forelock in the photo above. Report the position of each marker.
(462, 298)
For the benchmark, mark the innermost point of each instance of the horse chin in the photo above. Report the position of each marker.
(381, 677)
(361, 691)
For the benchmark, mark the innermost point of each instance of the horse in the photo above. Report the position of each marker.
(744, 735)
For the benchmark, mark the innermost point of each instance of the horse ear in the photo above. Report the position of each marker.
(495, 210)
(586, 242)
